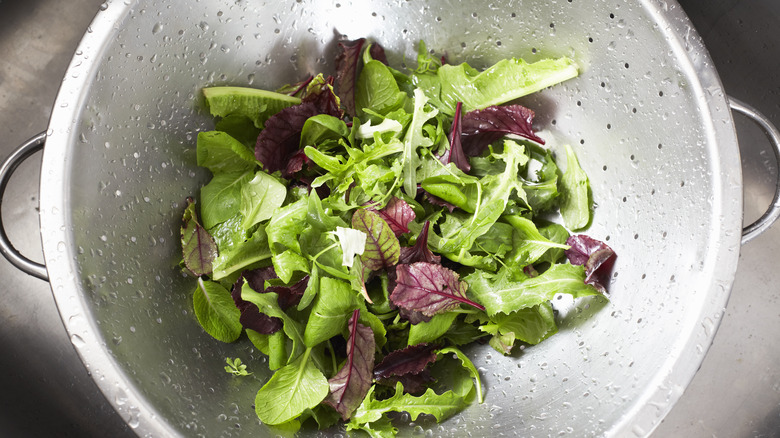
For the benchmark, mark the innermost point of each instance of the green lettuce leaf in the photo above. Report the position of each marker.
(292, 390)
(257, 105)
(216, 312)
(510, 290)
(219, 152)
(260, 197)
(505, 81)
(575, 206)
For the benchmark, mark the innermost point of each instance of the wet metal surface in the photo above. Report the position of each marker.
(47, 392)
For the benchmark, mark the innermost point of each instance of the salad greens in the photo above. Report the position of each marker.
(361, 229)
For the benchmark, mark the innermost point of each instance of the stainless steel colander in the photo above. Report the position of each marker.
(647, 116)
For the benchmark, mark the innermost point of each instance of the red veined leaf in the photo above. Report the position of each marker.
(382, 247)
(482, 127)
(347, 63)
(280, 139)
(419, 252)
(597, 257)
(429, 288)
(287, 296)
(410, 360)
(350, 385)
(397, 213)
(455, 153)
(198, 246)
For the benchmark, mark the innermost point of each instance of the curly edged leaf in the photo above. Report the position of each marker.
(594, 255)
(429, 288)
(482, 127)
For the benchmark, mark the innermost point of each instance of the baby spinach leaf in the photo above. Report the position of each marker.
(199, 249)
(330, 311)
(431, 331)
(216, 312)
(237, 257)
(294, 388)
(221, 198)
(219, 152)
(376, 89)
(260, 197)
(574, 187)
(430, 289)
(350, 385)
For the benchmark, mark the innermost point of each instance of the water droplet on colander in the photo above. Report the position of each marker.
(203, 26)
(77, 341)
(157, 28)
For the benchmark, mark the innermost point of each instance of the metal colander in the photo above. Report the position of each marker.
(647, 117)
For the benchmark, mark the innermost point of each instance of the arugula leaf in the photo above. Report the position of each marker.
(215, 311)
(414, 139)
(441, 406)
(350, 385)
(268, 303)
(575, 206)
(294, 388)
(531, 245)
(199, 249)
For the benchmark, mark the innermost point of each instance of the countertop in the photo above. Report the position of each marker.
(47, 392)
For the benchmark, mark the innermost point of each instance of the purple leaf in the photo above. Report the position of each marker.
(595, 255)
(198, 246)
(455, 153)
(347, 62)
(410, 360)
(482, 127)
(397, 213)
(377, 52)
(415, 384)
(251, 318)
(280, 139)
(296, 88)
(382, 247)
(429, 288)
(435, 200)
(287, 296)
(350, 385)
(419, 252)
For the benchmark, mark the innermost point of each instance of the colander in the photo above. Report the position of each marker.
(647, 117)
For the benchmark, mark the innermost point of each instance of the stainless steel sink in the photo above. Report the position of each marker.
(47, 392)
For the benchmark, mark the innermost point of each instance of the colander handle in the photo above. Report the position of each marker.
(7, 169)
(773, 212)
